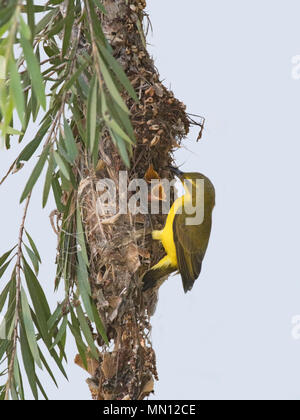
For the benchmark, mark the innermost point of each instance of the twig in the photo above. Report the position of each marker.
(8, 172)
(18, 293)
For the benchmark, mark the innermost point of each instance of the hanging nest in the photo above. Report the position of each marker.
(119, 245)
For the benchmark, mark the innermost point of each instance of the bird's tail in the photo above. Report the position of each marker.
(157, 275)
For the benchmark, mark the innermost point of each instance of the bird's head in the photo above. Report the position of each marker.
(192, 177)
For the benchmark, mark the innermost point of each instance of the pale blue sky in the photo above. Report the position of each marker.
(230, 338)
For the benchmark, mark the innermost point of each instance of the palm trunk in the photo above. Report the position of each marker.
(120, 247)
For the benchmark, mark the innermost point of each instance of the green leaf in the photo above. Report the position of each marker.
(95, 151)
(82, 348)
(29, 328)
(13, 391)
(39, 302)
(47, 367)
(123, 119)
(51, 351)
(118, 130)
(38, 9)
(41, 388)
(4, 295)
(48, 179)
(141, 32)
(7, 107)
(42, 24)
(62, 346)
(3, 336)
(55, 317)
(4, 28)
(18, 378)
(87, 332)
(70, 143)
(77, 119)
(83, 86)
(6, 14)
(75, 329)
(61, 149)
(3, 347)
(61, 331)
(111, 85)
(11, 309)
(70, 82)
(84, 286)
(24, 29)
(95, 23)
(34, 70)
(57, 194)
(63, 166)
(122, 148)
(3, 268)
(81, 247)
(56, 28)
(33, 246)
(100, 6)
(92, 112)
(99, 324)
(111, 123)
(70, 16)
(35, 174)
(17, 90)
(6, 255)
(28, 362)
(35, 106)
(119, 72)
(31, 147)
(34, 259)
(30, 9)
(11, 131)
(55, 1)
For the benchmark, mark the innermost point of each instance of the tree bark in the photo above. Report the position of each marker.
(120, 247)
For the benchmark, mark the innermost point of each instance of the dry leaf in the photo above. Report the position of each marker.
(143, 252)
(100, 165)
(154, 141)
(158, 193)
(94, 388)
(151, 174)
(99, 278)
(132, 258)
(92, 364)
(148, 388)
(114, 303)
(107, 396)
(159, 90)
(108, 365)
(150, 91)
(149, 100)
(154, 127)
(17, 167)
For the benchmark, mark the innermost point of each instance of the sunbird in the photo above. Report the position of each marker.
(185, 244)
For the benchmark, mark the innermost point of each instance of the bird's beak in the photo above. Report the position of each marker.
(176, 171)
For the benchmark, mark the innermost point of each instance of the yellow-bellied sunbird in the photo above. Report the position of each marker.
(184, 243)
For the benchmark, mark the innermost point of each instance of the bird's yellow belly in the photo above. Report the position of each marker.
(166, 235)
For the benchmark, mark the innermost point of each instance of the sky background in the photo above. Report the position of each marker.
(231, 337)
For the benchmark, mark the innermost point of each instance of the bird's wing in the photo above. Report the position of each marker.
(191, 243)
